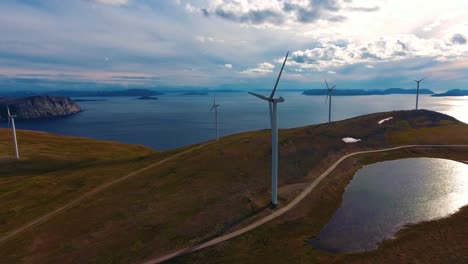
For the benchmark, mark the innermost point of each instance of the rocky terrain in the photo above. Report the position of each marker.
(39, 107)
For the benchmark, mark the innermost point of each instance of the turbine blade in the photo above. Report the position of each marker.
(260, 96)
(8, 110)
(327, 84)
(326, 98)
(332, 87)
(212, 107)
(279, 76)
(425, 77)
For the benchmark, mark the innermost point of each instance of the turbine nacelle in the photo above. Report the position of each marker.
(213, 107)
(269, 99)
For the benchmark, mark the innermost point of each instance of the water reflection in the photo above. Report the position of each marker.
(385, 196)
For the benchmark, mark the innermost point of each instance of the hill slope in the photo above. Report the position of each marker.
(205, 193)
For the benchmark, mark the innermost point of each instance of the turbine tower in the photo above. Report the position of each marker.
(417, 90)
(272, 103)
(215, 107)
(11, 120)
(329, 94)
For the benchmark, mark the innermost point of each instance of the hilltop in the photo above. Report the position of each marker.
(197, 195)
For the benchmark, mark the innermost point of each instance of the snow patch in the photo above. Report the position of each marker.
(384, 120)
(350, 140)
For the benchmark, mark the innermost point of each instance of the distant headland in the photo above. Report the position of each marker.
(39, 107)
(455, 92)
(87, 93)
(195, 93)
(146, 98)
(356, 92)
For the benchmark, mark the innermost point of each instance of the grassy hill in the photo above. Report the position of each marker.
(195, 196)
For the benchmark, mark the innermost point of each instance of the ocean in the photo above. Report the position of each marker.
(179, 120)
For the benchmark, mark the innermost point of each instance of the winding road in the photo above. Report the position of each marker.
(282, 210)
(214, 241)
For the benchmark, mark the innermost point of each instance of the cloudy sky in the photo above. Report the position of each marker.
(234, 43)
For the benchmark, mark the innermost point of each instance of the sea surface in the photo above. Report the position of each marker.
(177, 120)
(384, 197)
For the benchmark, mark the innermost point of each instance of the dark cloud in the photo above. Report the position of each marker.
(314, 10)
(458, 39)
(251, 17)
(205, 12)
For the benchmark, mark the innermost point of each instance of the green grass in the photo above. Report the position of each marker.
(194, 197)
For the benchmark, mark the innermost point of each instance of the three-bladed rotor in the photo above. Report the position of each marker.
(271, 99)
(329, 90)
(420, 80)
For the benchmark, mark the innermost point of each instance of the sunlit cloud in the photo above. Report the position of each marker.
(261, 69)
(199, 43)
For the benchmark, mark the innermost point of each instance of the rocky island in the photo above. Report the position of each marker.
(39, 107)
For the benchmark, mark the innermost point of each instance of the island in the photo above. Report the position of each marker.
(455, 92)
(38, 107)
(356, 92)
(147, 98)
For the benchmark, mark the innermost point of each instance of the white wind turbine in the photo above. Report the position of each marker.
(272, 103)
(215, 107)
(417, 90)
(11, 120)
(329, 94)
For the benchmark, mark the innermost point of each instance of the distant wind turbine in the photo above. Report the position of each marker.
(215, 107)
(417, 90)
(272, 104)
(11, 120)
(329, 94)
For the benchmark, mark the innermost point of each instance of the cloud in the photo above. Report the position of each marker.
(277, 13)
(261, 69)
(330, 55)
(228, 66)
(204, 39)
(112, 2)
(458, 39)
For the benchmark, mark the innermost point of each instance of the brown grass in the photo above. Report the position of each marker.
(207, 193)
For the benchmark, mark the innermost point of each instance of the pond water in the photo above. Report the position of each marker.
(384, 197)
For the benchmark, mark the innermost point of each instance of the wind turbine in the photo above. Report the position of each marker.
(11, 120)
(329, 94)
(215, 107)
(417, 90)
(272, 104)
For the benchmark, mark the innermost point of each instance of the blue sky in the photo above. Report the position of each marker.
(233, 43)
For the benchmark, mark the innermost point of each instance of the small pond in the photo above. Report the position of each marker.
(384, 197)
